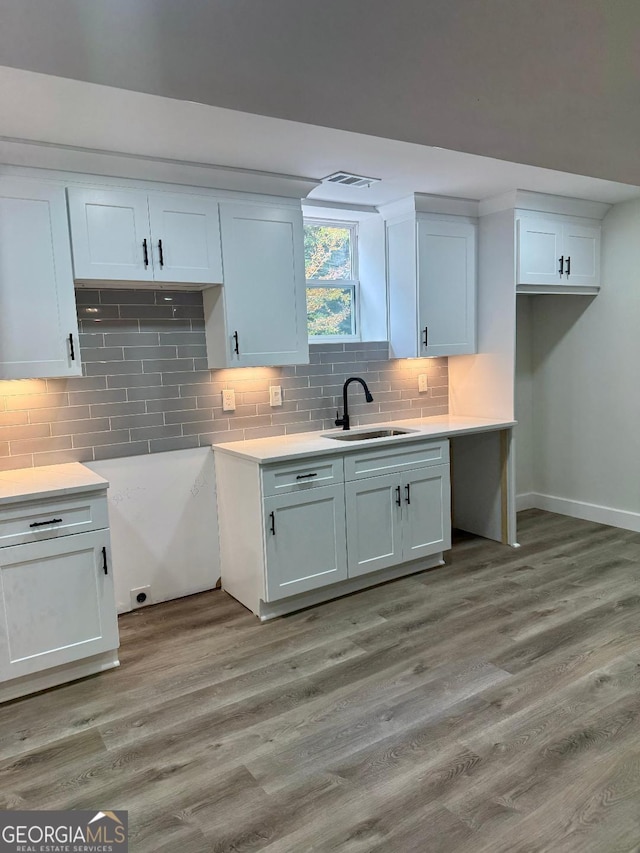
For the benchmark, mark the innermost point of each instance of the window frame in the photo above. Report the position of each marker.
(353, 282)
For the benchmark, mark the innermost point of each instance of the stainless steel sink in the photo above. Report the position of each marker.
(365, 435)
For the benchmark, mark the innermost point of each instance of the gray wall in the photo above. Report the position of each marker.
(548, 82)
(585, 436)
(147, 388)
(524, 401)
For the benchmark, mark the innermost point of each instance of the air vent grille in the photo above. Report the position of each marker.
(349, 180)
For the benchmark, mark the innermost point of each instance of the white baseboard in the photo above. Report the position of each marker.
(527, 500)
(269, 610)
(37, 681)
(580, 509)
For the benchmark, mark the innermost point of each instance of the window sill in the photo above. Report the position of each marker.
(334, 339)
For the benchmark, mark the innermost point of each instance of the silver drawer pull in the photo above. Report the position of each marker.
(43, 523)
(306, 476)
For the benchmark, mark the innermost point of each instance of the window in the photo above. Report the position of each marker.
(330, 258)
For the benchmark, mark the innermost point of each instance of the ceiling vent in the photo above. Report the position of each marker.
(349, 180)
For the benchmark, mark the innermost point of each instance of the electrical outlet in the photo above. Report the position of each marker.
(422, 382)
(141, 597)
(275, 395)
(228, 400)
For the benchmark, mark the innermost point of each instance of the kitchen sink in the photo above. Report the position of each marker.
(364, 435)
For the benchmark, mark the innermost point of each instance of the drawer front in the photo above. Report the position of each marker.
(49, 519)
(301, 475)
(385, 460)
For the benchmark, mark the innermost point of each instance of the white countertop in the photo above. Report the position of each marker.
(289, 447)
(49, 481)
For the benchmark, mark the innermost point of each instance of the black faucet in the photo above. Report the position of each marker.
(344, 420)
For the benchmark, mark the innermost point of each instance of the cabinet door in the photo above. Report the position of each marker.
(38, 325)
(306, 543)
(581, 246)
(426, 495)
(374, 530)
(186, 238)
(446, 287)
(110, 235)
(264, 285)
(539, 251)
(58, 604)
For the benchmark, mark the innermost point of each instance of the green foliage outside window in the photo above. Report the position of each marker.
(330, 310)
(327, 255)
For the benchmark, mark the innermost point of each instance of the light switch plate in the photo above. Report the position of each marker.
(228, 400)
(275, 395)
(422, 382)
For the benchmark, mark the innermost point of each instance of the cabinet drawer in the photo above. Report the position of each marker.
(385, 460)
(35, 521)
(301, 475)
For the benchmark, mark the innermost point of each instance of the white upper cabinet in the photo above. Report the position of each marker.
(186, 238)
(446, 287)
(135, 236)
(38, 325)
(259, 317)
(431, 268)
(581, 244)
(110, 234)
(557, 252)
(539, 242)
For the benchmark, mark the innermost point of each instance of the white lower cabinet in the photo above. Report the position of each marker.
(57, 603)
(426, 526)
(392, 519)
(374, 524)
(299, 537)
(305, 541)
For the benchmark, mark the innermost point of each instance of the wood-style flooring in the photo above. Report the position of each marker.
(489, 706)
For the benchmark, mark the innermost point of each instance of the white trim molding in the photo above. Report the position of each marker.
(622, 518)
(527, 500)
(426, 203)
(544, 203)
(117, 164)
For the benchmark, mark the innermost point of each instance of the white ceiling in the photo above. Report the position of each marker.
(553, 83)
(58, 110)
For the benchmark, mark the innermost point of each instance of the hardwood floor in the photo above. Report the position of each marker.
(490, 706)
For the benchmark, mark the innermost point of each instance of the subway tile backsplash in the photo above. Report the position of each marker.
(146, 387)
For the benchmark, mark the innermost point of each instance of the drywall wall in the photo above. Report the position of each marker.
(163, 517)
(552, 82)
(586, 387)
(524, 403)
(373, 281)
(482, 385)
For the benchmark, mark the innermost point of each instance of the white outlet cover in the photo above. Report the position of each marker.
(228, 400)
(275, 395)
(422, 382)
(140, 591)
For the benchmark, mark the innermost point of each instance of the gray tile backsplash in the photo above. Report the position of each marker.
(146, 387)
